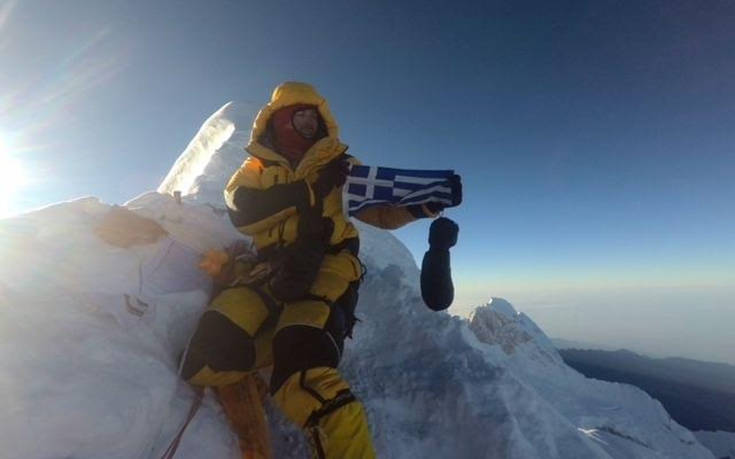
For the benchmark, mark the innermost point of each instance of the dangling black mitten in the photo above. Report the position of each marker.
(437, 288)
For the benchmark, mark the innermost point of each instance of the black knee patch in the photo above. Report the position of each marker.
(300, 347)
(220, 344)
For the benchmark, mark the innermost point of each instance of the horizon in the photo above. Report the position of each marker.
(594, 141)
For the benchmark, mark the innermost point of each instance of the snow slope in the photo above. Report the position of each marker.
(722, 444)
(90, 336)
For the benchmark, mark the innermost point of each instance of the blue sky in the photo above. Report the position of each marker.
(595, 139)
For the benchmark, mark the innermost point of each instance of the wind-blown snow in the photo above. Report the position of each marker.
(90, 336)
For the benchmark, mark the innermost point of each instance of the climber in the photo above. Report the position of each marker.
(297, 310)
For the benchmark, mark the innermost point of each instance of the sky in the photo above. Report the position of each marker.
(595, 139)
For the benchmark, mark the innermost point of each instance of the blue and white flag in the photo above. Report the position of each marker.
(368, 186)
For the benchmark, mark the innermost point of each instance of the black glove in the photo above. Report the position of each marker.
(331, 176)
(313, 226)
(443, 234)
(437, 288)
(435, 207)
(455, 184)
(297, 265)
(295, 269)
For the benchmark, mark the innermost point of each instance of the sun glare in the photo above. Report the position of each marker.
(12, 177)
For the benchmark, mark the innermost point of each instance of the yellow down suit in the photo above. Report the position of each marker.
(246, 327)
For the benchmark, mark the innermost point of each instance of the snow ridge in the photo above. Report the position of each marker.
(200, 172)
(92, 378)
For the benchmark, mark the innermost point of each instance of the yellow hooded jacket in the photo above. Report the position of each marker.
(263, 195)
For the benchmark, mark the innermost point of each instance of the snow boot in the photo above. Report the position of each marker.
(334, 421)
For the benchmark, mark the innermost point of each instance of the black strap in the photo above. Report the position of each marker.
(343, 398)
(274, 308)
(174, 445)
(318, 447)
(352, 244)
(311, 296)
(312, 392)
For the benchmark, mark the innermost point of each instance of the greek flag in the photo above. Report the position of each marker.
(368, 186)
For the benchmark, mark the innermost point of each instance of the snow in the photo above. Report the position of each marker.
(80, 370)
(206, 164)
(90, 336)
(722, 444)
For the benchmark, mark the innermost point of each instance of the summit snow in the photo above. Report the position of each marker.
(90, 337)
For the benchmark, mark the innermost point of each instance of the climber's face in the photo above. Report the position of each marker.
(306, 122)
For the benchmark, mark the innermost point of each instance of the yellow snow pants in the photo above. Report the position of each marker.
(246, 328)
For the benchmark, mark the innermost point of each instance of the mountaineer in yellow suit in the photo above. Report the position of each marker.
(295, 311)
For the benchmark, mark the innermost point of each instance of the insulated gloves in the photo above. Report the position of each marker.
(437, 288)
(333, 175)
(455, 183)
(297, 265)
(434, 207)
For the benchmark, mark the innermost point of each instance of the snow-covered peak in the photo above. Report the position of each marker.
(203, 168)
(90, 336)
(499, 323)
(499, 306)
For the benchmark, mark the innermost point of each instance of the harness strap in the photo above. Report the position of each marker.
(171, 450)
(352, 244)
(311, 296)
(274, 308)
(343, 398)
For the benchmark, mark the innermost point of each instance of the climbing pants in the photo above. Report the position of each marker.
(246, 328)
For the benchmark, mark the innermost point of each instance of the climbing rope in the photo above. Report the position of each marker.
(171, 450)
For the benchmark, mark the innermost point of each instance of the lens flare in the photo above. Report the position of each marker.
(12, 176)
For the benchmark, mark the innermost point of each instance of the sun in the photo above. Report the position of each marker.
(12, 176)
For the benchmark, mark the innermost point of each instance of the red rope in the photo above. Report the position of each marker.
(171, 450)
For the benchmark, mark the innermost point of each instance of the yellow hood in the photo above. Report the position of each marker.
(291, 93)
